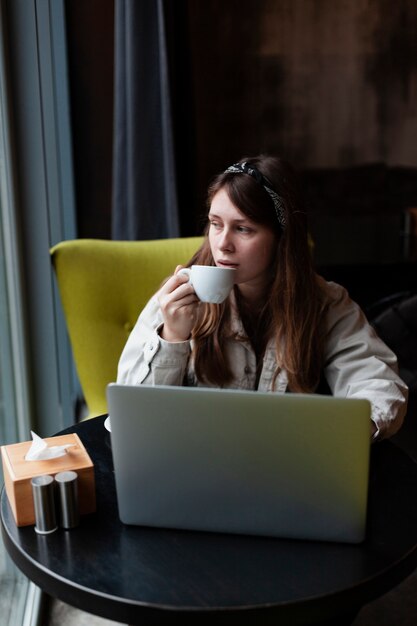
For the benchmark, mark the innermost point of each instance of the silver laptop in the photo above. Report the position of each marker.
(282, 465)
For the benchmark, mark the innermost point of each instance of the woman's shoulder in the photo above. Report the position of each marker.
(338, 307)
(332, 292)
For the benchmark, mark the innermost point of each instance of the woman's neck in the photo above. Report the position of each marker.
(255, 319)
(250, 299)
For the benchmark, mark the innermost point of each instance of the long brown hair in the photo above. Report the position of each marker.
(294, 303)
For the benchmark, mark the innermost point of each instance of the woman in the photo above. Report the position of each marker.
(283, 328)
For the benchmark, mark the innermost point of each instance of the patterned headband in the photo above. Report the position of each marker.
(245, 168)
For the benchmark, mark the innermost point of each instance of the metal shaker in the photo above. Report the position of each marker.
(44, 504)
(67, 483)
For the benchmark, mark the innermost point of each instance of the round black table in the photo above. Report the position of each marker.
(150, 576)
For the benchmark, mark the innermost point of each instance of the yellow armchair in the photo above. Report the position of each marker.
(103, 286)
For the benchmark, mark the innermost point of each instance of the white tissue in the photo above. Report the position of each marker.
(40, 451)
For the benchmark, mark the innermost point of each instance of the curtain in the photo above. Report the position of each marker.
(145, 194)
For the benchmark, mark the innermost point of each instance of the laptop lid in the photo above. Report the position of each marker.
(283, 465)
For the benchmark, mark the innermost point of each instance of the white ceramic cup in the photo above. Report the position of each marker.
(211, 284)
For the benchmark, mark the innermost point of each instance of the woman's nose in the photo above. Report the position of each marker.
(226, 241)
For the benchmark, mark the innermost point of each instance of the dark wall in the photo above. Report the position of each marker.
(331, 86)
(328, 85)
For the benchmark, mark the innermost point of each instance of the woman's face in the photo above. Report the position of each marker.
(240, 243)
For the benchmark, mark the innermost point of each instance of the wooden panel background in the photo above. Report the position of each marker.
(324, 83)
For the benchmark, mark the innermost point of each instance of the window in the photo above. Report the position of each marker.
(36, 210)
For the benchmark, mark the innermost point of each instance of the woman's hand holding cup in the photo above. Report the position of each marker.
(179, 305)
(182, 293)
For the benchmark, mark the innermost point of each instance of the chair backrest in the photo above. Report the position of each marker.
(104, 285)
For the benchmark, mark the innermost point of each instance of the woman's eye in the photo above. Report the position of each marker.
(214, 224)
(244, 230)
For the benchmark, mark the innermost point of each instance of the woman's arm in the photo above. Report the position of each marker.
(158, 348)
(147, 358)
(358, 364)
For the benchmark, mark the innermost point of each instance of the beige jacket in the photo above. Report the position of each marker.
(357, 363)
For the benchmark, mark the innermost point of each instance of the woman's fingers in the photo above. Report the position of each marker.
(171, 307)
(174, 282)
(179, 306)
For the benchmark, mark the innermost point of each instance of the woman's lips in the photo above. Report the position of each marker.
(227, 264)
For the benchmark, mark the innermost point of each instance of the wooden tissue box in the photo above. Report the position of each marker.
(18, 474)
